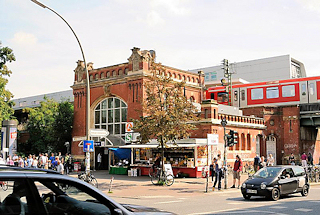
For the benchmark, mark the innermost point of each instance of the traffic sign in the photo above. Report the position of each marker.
(129, 126)
(128, 138)
(98, 133)
(88, 146)
(79, 138)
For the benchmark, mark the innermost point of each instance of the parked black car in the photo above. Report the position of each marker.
(274, 181)
(46, 192)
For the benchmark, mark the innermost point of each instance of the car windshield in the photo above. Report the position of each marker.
(267, 172)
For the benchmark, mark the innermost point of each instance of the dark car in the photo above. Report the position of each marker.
(34, 191)
(274, 181)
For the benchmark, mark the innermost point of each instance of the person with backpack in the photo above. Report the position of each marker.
(256, 163)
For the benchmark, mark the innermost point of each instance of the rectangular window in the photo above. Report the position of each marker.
(212, 95)
(257, 93)
(213, 76)
(272, 92)
(288, 91)
(311, 89)
(243, 95)
(235, 95)
(303, 89)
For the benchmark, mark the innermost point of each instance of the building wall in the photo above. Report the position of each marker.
(266, 69)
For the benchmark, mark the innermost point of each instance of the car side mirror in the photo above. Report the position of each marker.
(118, 211)
(283, 177)
(250, 176)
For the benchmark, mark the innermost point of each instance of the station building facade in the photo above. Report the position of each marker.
(116, 93)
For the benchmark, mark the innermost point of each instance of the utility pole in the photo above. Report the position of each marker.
(227, 74)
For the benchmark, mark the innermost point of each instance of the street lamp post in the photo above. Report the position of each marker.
(88, 86)
(224, 123)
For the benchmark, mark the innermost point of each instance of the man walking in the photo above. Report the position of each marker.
(218, 173)
(237, 168)
(304, 160)
(256, 163)
(99, 158)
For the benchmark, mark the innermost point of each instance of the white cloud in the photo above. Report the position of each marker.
(154, 19)
(313, 5)
(23, 38)
(173, 6)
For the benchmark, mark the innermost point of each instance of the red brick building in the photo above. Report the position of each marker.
(116, 93)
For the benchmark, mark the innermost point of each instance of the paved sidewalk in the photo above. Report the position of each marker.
(141, 186)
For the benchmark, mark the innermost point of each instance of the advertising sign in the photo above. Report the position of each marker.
(213, 139)
(13, 141)
(168, 169)
(88, 146)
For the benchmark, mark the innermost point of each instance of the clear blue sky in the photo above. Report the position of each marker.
(185, 34)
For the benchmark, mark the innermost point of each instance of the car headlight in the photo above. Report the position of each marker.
(244, 185)
(263, 186)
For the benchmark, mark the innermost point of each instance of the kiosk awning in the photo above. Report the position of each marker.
(157, 146)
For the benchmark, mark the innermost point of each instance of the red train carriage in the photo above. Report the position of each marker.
(283, 92)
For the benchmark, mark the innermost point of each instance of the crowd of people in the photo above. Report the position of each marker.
(57, 162)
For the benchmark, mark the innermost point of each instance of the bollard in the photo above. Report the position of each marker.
(110, 186)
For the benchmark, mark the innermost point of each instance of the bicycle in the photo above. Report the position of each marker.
(159, 175)
(88, 178)
(4, 185)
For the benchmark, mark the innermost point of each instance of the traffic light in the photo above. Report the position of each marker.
(232, 138)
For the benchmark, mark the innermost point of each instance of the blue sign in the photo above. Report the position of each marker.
(88, 146)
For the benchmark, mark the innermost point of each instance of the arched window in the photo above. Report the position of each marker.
(102, 75)
(243, 142)
(91, 77)
(192, 79)
(96, 76)
(108, 74)
(183, 78)
(120, 72)
(191, 99)
(248, 142)
(114, 73)
(188, 79)
(179, 76)
(126, 71)
(111, 114)
(174, 75)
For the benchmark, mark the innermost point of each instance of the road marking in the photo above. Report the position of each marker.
(212, 212)
(155, 197)
(167, 202)
(278, 207)
(303, 209)
(235, 203)
(315, 201)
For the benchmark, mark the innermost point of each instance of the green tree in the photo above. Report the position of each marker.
(6, 111)
(166, 113)
(40, 126)
(63, 125)
(49, 126)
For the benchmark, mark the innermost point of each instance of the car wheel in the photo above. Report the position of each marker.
(246, 196)
(305, 190)
(275, 194)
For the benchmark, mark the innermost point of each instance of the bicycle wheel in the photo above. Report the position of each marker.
(154, 178)
(4, 185)
(93, 181)
(169, 180)
(151, 172)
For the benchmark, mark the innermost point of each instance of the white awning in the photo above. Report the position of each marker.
(156, 146)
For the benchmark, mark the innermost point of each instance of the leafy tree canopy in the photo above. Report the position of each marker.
(166, 113)
(49, 126)
(6, 111)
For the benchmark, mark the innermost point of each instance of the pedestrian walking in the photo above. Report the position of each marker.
(218, 174)
(10, 161)
(59, 166)
(310, 159)
(34, 162)
(270, 160)
(237, 168)
(30, 160)
(291, 159)
(304, 159)
(20, 162)
(212, 168)
(256, 162)
(99, 158)
(15, 159)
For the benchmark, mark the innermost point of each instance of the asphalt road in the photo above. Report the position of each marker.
(179, 200)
